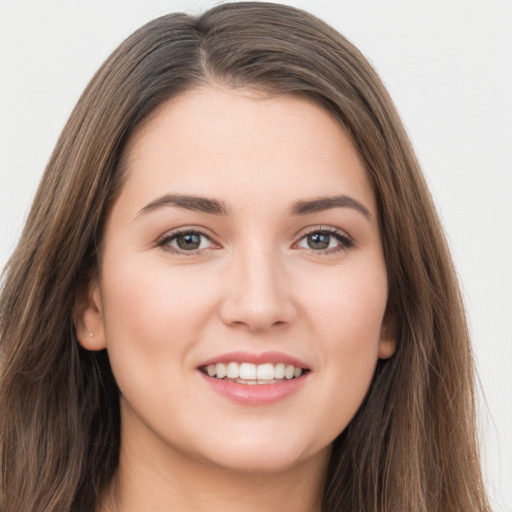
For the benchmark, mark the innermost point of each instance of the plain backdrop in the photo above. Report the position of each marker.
(448, 66)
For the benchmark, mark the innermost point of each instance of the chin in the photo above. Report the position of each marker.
(270, 455)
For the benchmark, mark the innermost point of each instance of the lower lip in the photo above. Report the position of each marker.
(255, 394)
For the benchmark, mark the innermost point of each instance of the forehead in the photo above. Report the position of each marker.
(216, 141)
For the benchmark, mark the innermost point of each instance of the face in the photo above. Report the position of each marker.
(242, 289)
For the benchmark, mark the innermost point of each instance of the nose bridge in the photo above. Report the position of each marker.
(258, 295)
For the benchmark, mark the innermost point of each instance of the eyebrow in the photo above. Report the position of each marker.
(216, 207)
(197, 204)
(326, 203)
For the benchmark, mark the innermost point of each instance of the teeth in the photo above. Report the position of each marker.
(220, 370)
(248, 373)
(233, 371)
(289, 371)
(265, 371)
(279, 371)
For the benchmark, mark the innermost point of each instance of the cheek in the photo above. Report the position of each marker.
(150, 296)
(348, 319)
(349, 309)
(153, 317)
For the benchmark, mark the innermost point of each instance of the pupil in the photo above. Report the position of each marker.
(190, 241)
(318, 241)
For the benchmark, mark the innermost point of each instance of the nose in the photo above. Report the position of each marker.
(258, 293)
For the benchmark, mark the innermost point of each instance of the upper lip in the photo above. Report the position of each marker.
(256, 358)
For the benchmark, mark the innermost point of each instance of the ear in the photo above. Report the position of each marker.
(388, 335)
(88, 317)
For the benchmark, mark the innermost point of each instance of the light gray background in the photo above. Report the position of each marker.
(448, 66)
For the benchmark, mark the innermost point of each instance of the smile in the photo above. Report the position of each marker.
(252, 374)
(255, 379)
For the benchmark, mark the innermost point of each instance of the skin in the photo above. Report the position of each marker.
(255, 284)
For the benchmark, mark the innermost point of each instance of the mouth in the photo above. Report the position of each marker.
(253, 374)
(255, 379)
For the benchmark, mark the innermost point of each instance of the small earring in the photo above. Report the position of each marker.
(88, 334)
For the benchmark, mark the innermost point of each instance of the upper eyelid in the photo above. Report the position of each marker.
(187, 229)
(319, 228)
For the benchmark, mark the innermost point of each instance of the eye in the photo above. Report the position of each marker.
(187, 241)
(326, 240)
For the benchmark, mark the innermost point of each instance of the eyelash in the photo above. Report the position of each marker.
(345, 242)
(165, 241)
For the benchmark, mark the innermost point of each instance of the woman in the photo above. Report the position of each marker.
(233, 289)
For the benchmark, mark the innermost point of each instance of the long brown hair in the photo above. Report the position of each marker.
(412, 445)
